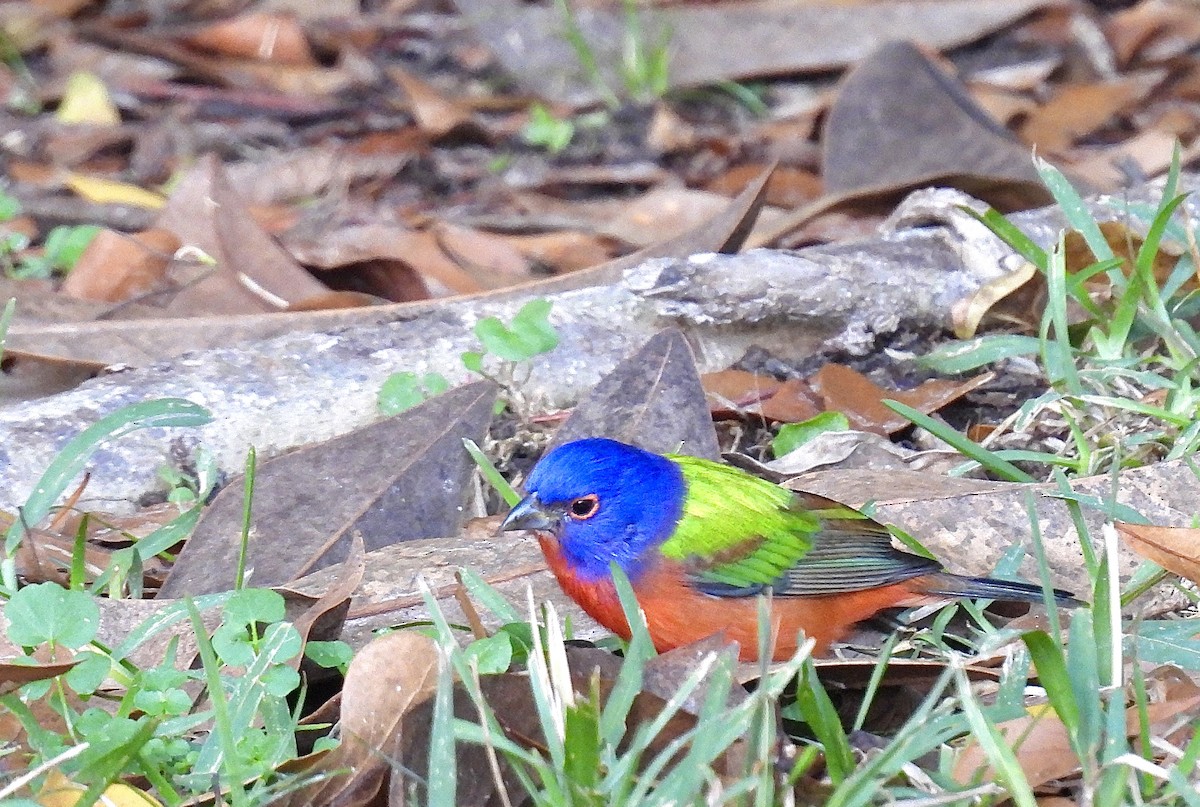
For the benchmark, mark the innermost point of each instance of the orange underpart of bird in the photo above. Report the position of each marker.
(700, 541)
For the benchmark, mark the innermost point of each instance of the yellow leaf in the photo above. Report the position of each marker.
(59, 791)
(969, 313)
(86, 100)
(108, 191)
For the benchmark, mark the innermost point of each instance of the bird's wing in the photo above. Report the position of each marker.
(846, 551)
(850, 554)
(735, 529)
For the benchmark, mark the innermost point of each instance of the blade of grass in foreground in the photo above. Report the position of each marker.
(1057, 355)
(966, 446)
(995, 746)
(5, 319)
(821, 715)
(74, 455)
(490, 474)
(1077, 213)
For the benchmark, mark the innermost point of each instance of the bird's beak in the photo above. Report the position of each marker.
(528, 515)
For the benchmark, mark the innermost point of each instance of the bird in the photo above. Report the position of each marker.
(701, 541)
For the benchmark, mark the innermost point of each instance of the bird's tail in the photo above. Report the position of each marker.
(988, 588)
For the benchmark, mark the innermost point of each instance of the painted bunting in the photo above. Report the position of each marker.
(700, 540)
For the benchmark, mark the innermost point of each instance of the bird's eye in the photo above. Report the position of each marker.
(584, 507)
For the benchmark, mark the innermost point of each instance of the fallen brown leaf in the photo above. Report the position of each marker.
(935, 131)
(1176, 549)
(789, 187)
(1079, 109)
(729, 391)
(667, 212)
(252, 274)
(328, 612)
(489, 259)
(25, 376)
(1152, 31)
(735, 393)
(392, 248)
(269, 37)
(564, 250)
(304, 517)
(652, 399)
(117, 267)
(796, 400)
(387, 679)
(1042, 745)
(436, 114)
(860, 399)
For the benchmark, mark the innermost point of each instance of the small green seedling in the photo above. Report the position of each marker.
(48, 614)
(793, 435)
(186, 487)
(529, 335)
(404, 390)
(62, 249)
(10, 208)
(544, 130)
(332, 655)
(505, 348)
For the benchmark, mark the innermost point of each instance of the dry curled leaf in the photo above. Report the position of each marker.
(386, 681)
(1015, 298)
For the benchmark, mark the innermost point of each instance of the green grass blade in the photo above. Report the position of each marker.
(881, 665)
(1059, 362)
(961, 357)
(822, 717)
(1075, 209)
(585, 54)
(491, 599)
(1052, 675)
(79, 555)
(70, 461)
(963, 444)
(490, 474)
(229, 761)
(629, 679)
(994, 745)
(239, 580)
(1083, 669)
(1010, 234)
(6, 317)
(442, 780)
(169, 534)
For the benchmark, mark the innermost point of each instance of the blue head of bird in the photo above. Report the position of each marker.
(603, 501)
